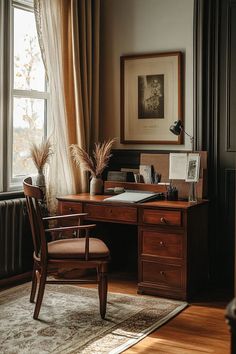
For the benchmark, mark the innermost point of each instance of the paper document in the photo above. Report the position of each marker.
(132, 197)
(177, 165)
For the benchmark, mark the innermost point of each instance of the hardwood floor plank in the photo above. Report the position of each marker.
(200, 328)
(195, 330)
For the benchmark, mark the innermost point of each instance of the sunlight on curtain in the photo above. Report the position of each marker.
(48, 19)
(69, 35)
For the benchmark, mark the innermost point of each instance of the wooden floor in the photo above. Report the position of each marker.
(200, 328)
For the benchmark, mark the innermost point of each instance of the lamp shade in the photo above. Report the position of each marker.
(177, 127)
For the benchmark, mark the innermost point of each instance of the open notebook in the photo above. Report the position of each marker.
(132, 197)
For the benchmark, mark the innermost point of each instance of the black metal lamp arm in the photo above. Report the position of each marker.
(176, 129)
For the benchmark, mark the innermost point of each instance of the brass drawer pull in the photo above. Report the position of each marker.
(162, 244)
(162, 273)
(163, 220)
(70, 209)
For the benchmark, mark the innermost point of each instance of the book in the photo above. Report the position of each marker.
(132, 197)
(120, 176)
(127, 169)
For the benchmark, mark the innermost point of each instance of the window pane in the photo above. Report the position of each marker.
(29, 73)
(28, 127)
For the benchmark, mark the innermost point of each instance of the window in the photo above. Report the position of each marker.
(27, 95)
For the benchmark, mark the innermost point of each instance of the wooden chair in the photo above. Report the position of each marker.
(83, 252)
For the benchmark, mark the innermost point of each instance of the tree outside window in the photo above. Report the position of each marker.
(29, 95)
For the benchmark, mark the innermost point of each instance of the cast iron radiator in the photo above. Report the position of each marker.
(15, 238)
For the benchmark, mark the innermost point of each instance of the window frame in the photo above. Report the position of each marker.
(4, 88)
(14, 183)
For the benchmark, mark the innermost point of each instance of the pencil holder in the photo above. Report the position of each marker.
(172, 194)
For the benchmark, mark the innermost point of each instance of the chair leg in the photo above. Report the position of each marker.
(39, 300)
(102, 290)
(34, 284)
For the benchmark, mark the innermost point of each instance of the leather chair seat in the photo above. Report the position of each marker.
(75, 248)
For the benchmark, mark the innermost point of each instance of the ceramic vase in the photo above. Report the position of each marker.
(40, 179)
(96, 186)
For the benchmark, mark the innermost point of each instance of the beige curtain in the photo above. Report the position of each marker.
(81, 73)
(69, 39)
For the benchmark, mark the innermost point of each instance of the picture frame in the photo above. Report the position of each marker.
(193, 168)
(145, 172)
(151, 98)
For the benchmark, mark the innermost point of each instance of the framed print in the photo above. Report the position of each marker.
(145, 172)
(193, 166)
(150, 98)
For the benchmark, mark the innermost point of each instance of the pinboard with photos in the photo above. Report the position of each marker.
(179, 169)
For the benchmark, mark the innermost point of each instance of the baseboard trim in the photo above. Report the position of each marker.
(15, 279)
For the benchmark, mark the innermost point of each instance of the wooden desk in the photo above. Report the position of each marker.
(172, 240)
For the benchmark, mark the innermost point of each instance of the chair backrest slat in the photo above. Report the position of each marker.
(33, 196)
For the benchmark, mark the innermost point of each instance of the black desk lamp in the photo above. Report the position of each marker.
(176, 129)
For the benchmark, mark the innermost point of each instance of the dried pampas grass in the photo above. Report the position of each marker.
(41, 153)
(99, 160)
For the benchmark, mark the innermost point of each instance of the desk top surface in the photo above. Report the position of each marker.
(86, 197)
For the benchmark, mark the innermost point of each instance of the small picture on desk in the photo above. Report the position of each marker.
(145, 172)
(193, 165)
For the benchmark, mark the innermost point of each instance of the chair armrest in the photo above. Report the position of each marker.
(76, 227)
(56, 217)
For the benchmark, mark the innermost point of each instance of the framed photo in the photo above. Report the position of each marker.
(145, 172)
(193, 167)
(150, 98)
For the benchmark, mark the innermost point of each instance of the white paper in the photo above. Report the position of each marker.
(131, 197)
(177, 165)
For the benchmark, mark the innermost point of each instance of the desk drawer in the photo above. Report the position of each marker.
(158, 244)
(70, 208)
(162, 217)
(162, 275)
(112, 213)
(67, 208)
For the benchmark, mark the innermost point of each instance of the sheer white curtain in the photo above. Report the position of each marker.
(49, 24)
(69, 36)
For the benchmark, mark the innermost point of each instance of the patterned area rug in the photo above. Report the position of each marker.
(70, 322)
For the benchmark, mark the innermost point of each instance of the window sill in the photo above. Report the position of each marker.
(11, 195)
